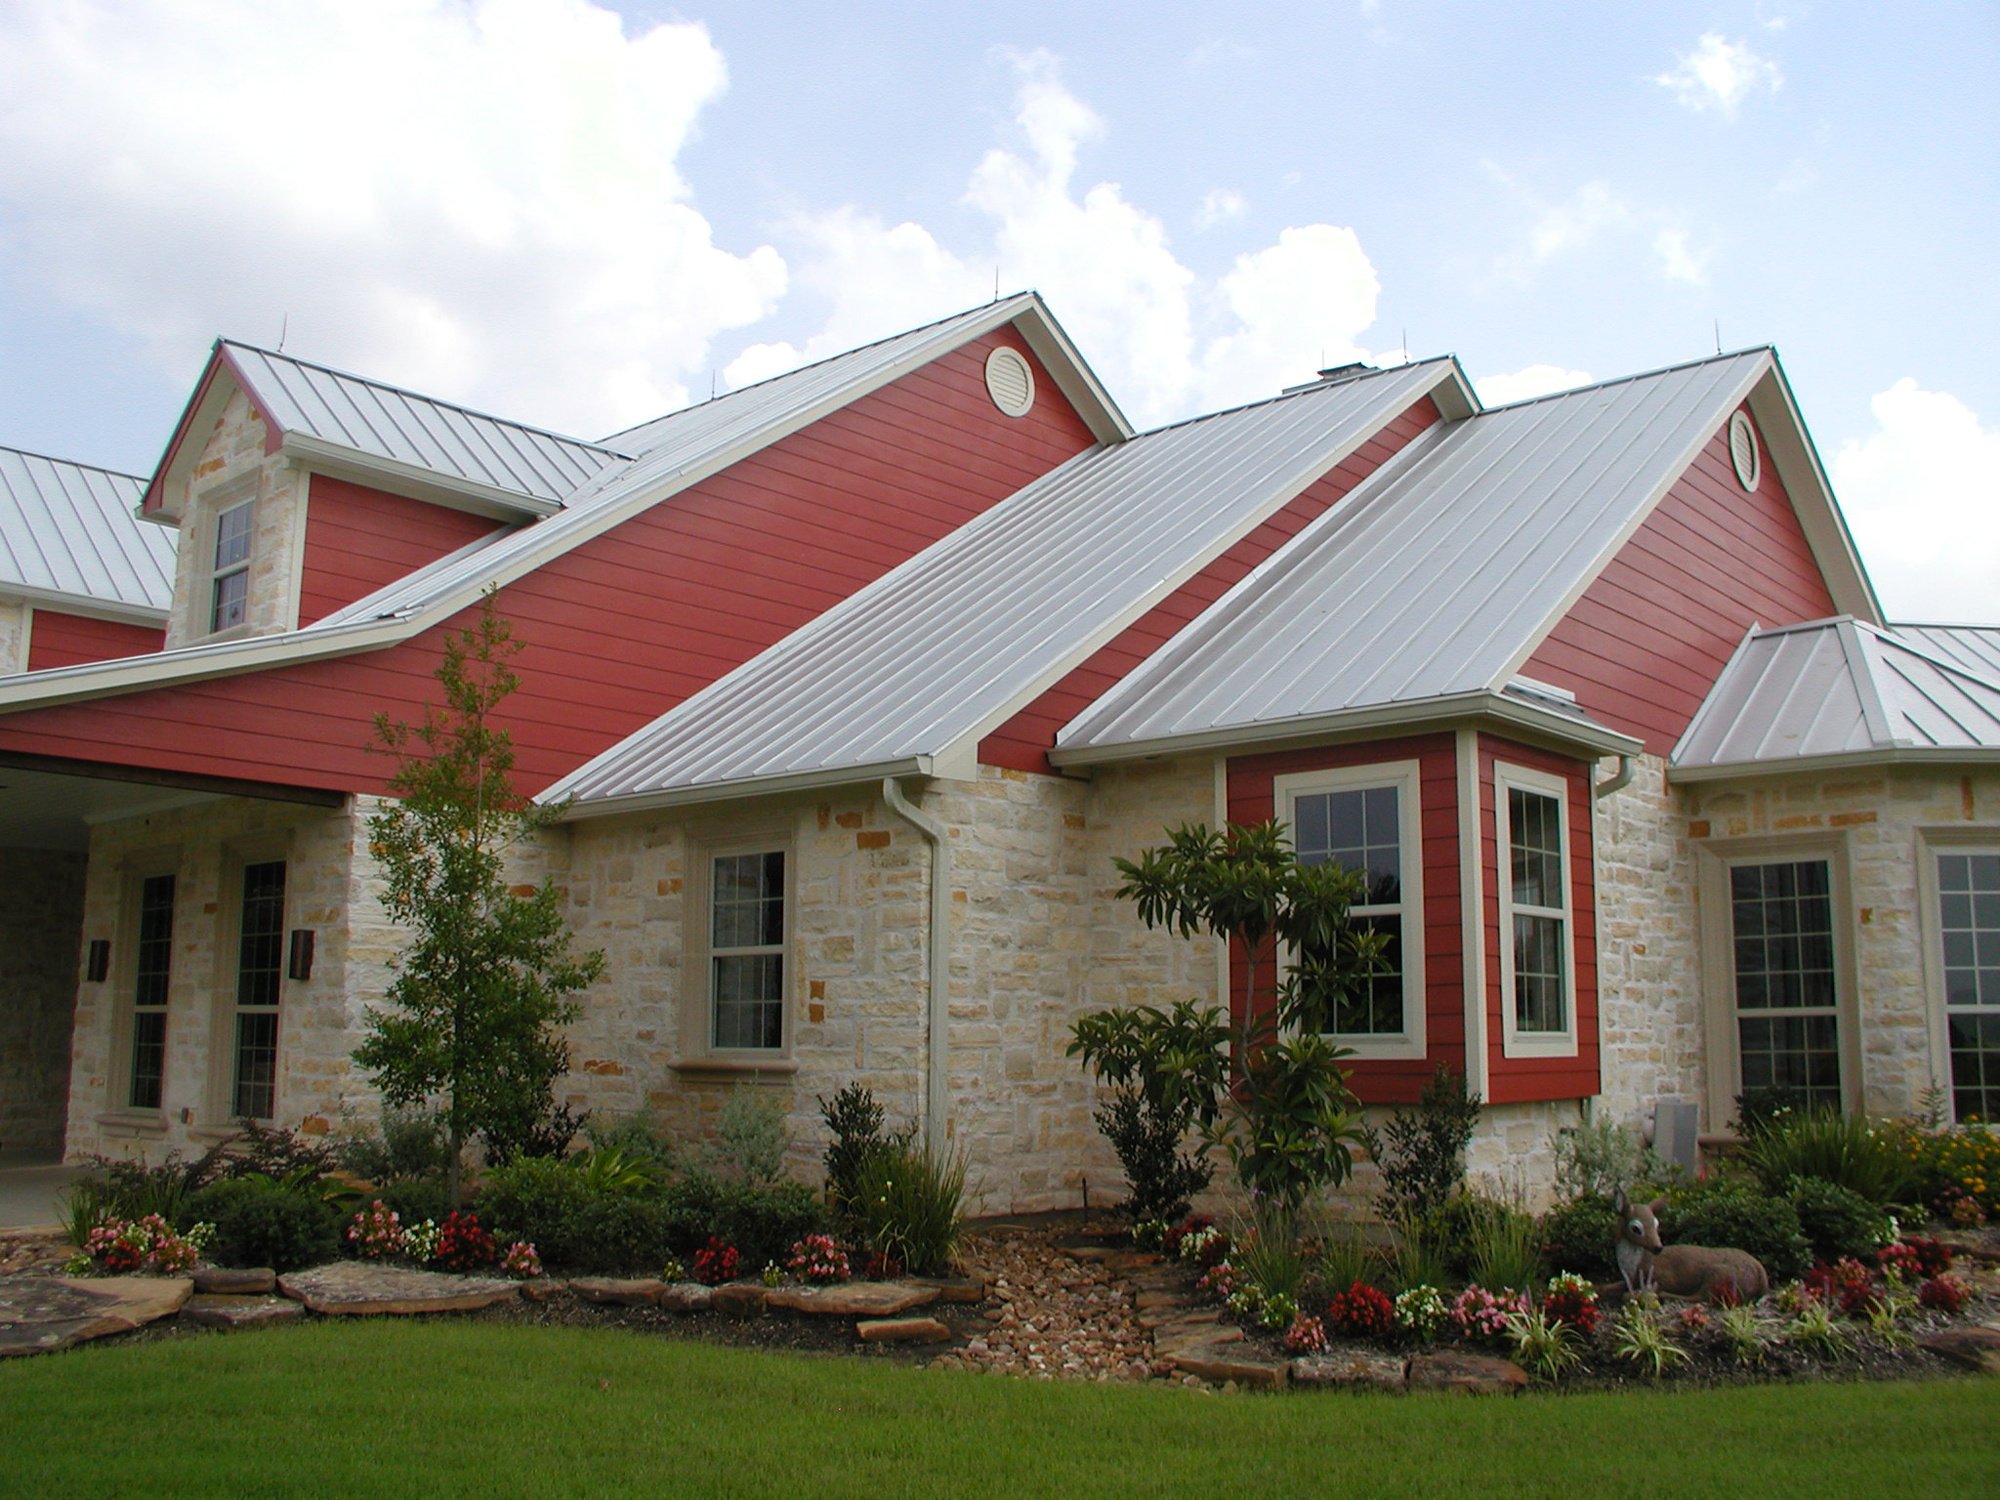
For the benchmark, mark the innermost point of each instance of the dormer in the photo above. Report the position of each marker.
(297, 488)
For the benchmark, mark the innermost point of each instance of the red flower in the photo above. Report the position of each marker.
(716, 1262)
(1361, 1312)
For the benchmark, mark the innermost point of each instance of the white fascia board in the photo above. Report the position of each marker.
(1449, 711)
(1072, 374)
(84, 604)
(319, 456)
(737, 790)
(1935, 757)
(1640, 515)
(135, 674)
(1790, 445)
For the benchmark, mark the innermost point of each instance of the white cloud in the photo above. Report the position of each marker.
(1679, 260)
(1165, 341)
(1527, 383)
(479, 198)
(1719, 75)
(1922, 493)
(1219, 206)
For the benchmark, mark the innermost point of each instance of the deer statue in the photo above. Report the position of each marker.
(1682, 1270)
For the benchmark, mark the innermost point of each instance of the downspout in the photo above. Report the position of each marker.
(1626, 766)
(937, 1127)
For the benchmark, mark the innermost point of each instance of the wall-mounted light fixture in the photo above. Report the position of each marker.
(300, 966)
(97, 963)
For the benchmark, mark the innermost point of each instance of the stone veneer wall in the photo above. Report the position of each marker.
(231, 468)
(204, 843)
(1878, 812)
(13, 637)
(38, 970)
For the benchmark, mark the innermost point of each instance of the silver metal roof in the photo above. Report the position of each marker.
(69, 530)
(680, 448)
(1836, 688)
(1974, 647)
(1437, 578)
(916, 667)
(386, 422)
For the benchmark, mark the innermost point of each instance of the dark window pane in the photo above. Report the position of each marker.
(1538, 974)
(232, 537)
(1377, 1010)
(256, 1064)
(149, 1058)
(260, 957)
(749, 1000)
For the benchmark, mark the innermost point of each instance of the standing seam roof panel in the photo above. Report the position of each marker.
(919, 660)
(69, 528)
(1435, 576)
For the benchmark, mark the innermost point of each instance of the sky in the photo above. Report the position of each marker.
(582, 215)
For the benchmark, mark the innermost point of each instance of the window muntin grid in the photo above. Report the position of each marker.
(1537, 912)
(1968, 887)
(230, 596)
(260, 960)
(1787, 1006)
(747, 951)
(1361, 829)
(152, 964)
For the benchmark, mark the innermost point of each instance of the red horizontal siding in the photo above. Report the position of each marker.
(359, 540)
(1515, 1080)
(624, 627)
(1653, 631)
(59, 639)
(1251, 799)
(1023, 742)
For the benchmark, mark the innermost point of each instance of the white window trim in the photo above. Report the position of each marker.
(1721, 1059)
(216, 574)
(1513, 1041)
(1931, 842)
(697, 1021)
(1404, 776)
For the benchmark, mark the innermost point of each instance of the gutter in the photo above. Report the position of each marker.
(937, 1125)
(1626, 767)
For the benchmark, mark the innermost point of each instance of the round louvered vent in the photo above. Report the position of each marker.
(1010, 382)
(1743, 450)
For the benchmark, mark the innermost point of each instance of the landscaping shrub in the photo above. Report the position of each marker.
(1457, 1228)
(132, 1190)
(750, 1137)
(1166, 1067)
(853, 1121)
(1581, 1235)
(574, 1225)
(1507, 1251)
(910, 1207)
(410, 1146)
(416, 1199)
(1836, 1221)
(1842, 1149)
(1600, 1158)
(1956, 1171)
(262, 1222)
(1267, 1253)
(1723, 1214)
(1758, 1109)
(1421, 1153)
(261, 1151)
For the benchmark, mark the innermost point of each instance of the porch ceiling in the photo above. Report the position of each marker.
(52, 804)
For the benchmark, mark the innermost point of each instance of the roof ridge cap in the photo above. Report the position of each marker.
(827, 359)
(72, 463)
(1316, 388)
(1632, 379)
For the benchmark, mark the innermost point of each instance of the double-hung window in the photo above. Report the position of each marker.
(260, 963)
(1537, 967)
(1786, 988)
(229, 602)
(1968, 895)
(746, 951)
(152, 965)
(1367, 819)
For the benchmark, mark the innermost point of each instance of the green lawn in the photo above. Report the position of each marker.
(376, 1408)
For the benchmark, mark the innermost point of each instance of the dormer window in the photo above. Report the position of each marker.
(230, 596)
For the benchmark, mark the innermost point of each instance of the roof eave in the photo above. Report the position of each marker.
(735, 790)
(414, 480)
(1793, 765)
(137, 674)
(1424, 713)
(92, 605)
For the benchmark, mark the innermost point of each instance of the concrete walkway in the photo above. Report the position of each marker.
(29, 1189)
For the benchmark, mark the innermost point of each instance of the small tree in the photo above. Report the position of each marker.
(481, 989)
(1287, 1119)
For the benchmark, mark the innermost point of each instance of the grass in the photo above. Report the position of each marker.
(421, 1409)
